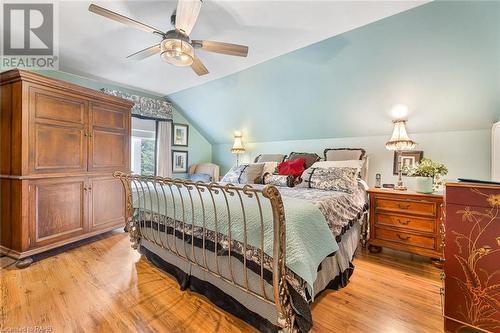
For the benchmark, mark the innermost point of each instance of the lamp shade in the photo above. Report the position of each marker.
(238, 145)
(399, 139)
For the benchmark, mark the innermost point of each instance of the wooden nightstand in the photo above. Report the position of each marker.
(406, 221)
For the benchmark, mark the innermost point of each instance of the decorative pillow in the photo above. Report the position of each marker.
(310, 158)
(358, 164)
(344, 154)
(200, 177)
(330, 179)
(278, 180)
(269, 167)
(292, 167)
(270, 158)
(245, 174)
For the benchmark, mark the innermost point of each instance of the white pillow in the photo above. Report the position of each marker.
(358, 164)
(269, 167)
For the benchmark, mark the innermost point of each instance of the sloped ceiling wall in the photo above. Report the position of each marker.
(441, 59)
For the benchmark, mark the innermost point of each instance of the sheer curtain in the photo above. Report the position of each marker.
(164, 156)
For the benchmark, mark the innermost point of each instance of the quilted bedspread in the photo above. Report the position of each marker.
(314, 218)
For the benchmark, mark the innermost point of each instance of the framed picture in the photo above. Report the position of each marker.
(180, 134)
(179, 161)
(408, 159)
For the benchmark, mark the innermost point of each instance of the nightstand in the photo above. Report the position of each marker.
(406, 221)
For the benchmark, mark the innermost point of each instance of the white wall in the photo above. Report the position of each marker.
(467, 154)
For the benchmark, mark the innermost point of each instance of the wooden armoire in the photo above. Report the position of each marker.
(59, 145)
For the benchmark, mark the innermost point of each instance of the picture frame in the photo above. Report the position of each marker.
(179, 161)
(408, 158)
(180, 135)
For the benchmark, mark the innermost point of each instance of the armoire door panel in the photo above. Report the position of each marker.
(57, 106)
(58, 136)
(108, 150)
(57, 210)
(107, 204)
(106, 117)
(59, 148)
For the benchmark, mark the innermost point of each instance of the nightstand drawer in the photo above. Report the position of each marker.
(405, 222)
(406, 206)
(405, 238)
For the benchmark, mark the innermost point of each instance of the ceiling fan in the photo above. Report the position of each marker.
(176, 47)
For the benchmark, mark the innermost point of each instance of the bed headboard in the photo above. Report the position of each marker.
(343, 154)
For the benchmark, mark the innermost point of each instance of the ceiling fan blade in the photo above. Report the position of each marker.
(186, 15)
(147, 52)
(198, 67)
(123, 19)
(219, 47)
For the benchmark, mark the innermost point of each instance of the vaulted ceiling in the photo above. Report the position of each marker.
(440, 59)
(95, 47)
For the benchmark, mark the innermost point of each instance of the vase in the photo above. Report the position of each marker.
(424, 184)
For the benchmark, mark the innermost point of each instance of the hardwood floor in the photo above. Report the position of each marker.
(105, 286)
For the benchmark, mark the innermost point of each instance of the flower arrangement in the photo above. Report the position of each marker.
(428, 168)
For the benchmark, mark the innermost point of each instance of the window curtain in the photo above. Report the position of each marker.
(164, 155)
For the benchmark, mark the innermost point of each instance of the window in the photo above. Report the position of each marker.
(143, 146)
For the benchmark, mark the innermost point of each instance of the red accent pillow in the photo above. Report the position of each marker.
(293, 168)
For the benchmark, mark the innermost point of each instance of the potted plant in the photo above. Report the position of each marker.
(428, 175)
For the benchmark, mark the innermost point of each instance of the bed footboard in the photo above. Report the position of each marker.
(200, 214)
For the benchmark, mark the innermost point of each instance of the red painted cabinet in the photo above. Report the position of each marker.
(472, 258)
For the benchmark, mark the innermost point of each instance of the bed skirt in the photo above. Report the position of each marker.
(225, 301)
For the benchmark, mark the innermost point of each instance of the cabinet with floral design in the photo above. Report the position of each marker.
(472, 258)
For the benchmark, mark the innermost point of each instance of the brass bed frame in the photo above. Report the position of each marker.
(162, 186)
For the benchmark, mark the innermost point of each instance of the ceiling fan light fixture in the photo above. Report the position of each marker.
(177, 52)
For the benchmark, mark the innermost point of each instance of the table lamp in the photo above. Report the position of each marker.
(237, 147)
(400, 141)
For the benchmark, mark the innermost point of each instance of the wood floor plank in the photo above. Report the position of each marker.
(105, 286)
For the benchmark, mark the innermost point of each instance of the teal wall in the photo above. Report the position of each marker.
(442, 59)
(200, 150)
(466, 153)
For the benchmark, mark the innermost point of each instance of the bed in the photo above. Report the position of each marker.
(258, 252)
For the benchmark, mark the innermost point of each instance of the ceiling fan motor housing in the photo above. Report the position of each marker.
(176, 49)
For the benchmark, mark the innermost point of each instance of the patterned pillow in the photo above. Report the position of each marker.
(331, 179)
(310, 158)
(278, 180)
(245, 174)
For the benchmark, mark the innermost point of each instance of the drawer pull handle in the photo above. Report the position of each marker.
(405, 238)
(403, 206)
(406, 222)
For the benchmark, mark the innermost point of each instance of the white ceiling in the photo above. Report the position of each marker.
(93, 46)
